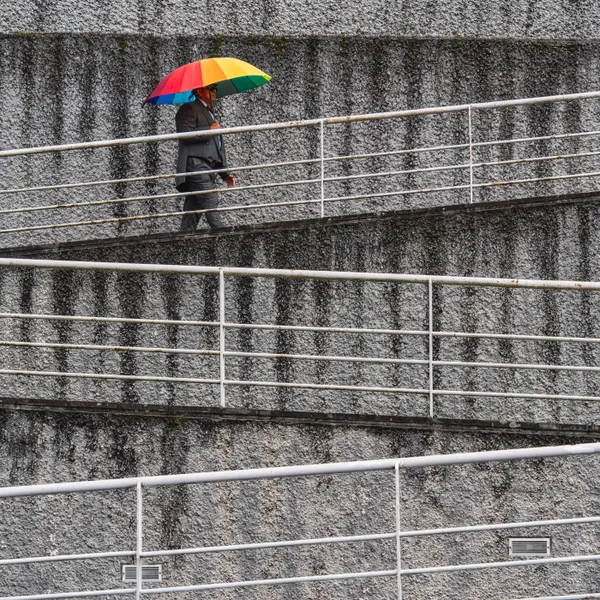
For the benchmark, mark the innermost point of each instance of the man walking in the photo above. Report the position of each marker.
(201, 154)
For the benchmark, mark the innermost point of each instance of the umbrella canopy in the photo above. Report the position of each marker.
(229, 75)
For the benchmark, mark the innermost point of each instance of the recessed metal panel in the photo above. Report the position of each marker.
(529, 547)
(149, 573)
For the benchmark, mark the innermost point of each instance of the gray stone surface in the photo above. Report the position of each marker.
(37, 447)
(68, 88)
(494, 19)
(77, 72)
(539, 240)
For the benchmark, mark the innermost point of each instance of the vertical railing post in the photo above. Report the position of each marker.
(398, 552)
(430, 312)
(222, 336)
(470, 156)
(322, 137)
(138, 548)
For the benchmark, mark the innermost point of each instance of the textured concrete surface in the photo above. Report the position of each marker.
(522, 19)
(68, 88)
(539, 240)
(75, 72)
(45, 446)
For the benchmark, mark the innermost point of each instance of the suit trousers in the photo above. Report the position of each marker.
(198, 183)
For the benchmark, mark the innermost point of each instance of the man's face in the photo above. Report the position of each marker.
(212, 92)
(207, 94)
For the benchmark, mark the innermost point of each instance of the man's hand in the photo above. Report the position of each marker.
(215, 125)
(230, 181)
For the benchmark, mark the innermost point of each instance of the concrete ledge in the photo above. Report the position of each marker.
(282, 226)
(217, 414)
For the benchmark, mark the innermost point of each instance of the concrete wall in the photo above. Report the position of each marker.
(49, 446)
(522, 19)
(68, 88)
(545, 240)
(72, 72)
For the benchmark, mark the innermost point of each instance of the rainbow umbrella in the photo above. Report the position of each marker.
(229, 75)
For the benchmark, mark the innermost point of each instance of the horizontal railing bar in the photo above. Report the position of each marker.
(514, 395)
(298, 385)
(307, 328)
(114, 376)
(93, 319)
(317, 386)
(495, 565)
(83, 184)
(464, 107)
(53, 345)
(395, 152)
(325, 329)
(455, 187)
(167, 137)
(513, 161)
(524, 366)
(443, 363)
(110, 201)
(357, 359)
(166, 196)
(496, 163)
(306, 123)
(60, 186)
(264, 545)
(440, 334)
(325, 386)
(374, 175)
(498, 526)
(541, 138)
(64, 557)
(570, 597)
(117, 592)
(369, 537)
(263, 582)
(111, 376)
(464, 146)
(537, 179)
(262, 326)
(161, 215)
(516, 337)
(223, 209)
(76, 265)
(412, 462)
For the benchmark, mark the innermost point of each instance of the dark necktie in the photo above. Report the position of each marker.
(219, 138)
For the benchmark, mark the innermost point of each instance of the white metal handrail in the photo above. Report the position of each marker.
(224, 325)
(396, 465)
(569, 597)
(321, 198)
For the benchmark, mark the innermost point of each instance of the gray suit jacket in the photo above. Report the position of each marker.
(194, 116)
